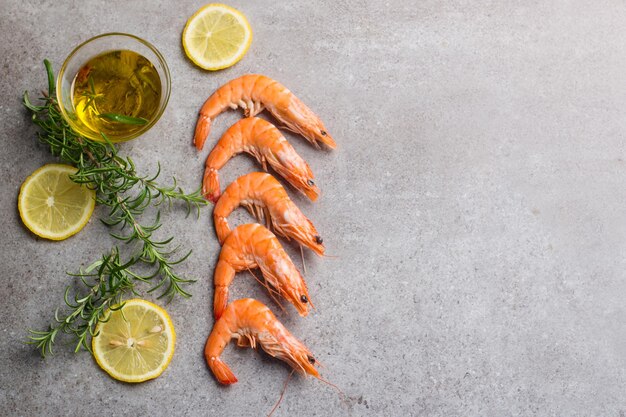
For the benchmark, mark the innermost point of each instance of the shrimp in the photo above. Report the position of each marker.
(251, 246)
(265, 198)
(250, 321)
(253, 93)
(264, 141)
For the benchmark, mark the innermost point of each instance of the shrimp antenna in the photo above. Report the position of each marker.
(317, 362)
(270, 290)
(303, 263)
(343, 395)
(280, 399)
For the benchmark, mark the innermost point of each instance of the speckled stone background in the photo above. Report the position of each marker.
(476, 206)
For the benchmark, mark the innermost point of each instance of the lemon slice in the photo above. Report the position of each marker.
(136, 343)
(216, 37)
(51, 205)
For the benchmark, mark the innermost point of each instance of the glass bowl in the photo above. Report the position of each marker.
(97, 46)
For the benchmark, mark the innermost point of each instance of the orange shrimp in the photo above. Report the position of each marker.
(264, 141)
(253, 246)
(253, 93)
(265, 198)
(250, 321)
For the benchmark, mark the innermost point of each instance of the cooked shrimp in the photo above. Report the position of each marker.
(264, 141)
(253, 246)
(264, 197)
(250, 321)
(253, 93)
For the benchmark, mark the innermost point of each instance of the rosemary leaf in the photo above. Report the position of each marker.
(120, 118)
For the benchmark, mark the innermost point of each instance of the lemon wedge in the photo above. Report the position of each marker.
(136, 343)
(216, 37)
(51, 205)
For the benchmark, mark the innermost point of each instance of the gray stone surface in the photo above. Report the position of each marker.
(476, 207)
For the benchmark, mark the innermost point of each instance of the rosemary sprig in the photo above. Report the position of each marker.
(127, 195)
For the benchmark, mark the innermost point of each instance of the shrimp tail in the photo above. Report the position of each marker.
(222, 372)
(211, 184)
(203, 127)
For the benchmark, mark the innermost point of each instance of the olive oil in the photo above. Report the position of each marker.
(116, 93)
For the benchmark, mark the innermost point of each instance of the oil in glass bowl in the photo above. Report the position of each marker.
(116, 93)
